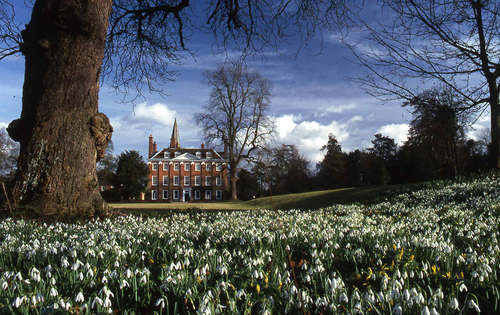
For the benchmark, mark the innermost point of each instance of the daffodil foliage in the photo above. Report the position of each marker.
(435, 250)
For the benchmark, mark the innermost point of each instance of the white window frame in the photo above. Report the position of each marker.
(187, 181)
(197, 180)
(177, 153)
(165, 194)
(166, 155)
(208, 167)
(176, 180)
(154, 195)
(197, 195)
(218, 167)
(154, 180)
(218, 180)
(176, 192)
(165, 166)
(209, 155)
(208, 179)
(187, 166)
(177, 166)
(218, 194)
(154, 166)
(197, 167)
(165, 180)
(198, 154)
(208, 195)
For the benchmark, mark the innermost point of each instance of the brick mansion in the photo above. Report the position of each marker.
(179, 174)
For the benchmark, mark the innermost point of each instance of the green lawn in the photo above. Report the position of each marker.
(307, 200)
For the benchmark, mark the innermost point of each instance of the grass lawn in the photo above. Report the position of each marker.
(307, 200)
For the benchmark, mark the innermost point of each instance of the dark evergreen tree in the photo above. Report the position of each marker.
(332, 170)
(131, 174)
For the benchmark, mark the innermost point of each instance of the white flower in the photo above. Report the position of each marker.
(53, 292)
(128, 274)
(425, 311)
(124, 284)
(160, 302)
(343, 298)
(143, 279)
(434, 311)
(79, 297)
(17, 302)
(462, 287)
(104, 279)
(107, 302)
(5, 285)
(97, 300)
(454, 304)
(473, 305)
(397, 310)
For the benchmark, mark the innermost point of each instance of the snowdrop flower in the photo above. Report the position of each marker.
(434, 311)
(79, 297)
(53, 292)
(160, 302)
(240, 294)
(97, 301)
(128, 273)
(143, 279)
(64, 262)
(293, 290)
(453, 304)
(107, 302)
(17, 302)
(124, 284)
(397, 310)
(53, 281)
(104, 279)
(90, 273)
(474, 306)
(343, 298)
(425, 311)
(5, 285)
(462, 287)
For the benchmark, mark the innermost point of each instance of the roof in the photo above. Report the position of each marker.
(185, 154)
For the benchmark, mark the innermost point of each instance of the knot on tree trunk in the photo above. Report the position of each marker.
(16, 130)
(101, 130)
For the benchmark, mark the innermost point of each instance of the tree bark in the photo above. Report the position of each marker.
(234, 180)
(495, 131)
(61, 132)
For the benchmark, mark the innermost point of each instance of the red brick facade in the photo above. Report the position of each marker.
(178, 174)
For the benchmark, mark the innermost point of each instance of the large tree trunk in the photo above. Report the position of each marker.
(495, 131)
(60, 130)
(234, 180)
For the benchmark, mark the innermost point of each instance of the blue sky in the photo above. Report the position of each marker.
(312, 96)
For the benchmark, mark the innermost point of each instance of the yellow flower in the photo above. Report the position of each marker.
(164, 266)
(257, 288)
(412, 257)
(198, 279)
(447, 275)
(266, 280)
(370, 273)
(281, 284)
(232, 286)
(151, 261)
(394, 246)
(401, 254)
(461, 274)
(434, 269)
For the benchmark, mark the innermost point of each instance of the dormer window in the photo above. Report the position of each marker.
(177, 154)
(198, 155)
(209, 155)
(166, 155)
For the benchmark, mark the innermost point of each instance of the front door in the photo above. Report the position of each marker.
(187, 196)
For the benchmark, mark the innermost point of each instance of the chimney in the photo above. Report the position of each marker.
(154, 148)
(150, 146)
(203, 146)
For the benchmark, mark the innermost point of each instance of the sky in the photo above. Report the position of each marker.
(313, 96)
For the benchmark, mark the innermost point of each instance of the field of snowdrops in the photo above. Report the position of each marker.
(432, 251)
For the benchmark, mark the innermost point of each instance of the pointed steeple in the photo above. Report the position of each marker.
(174, 141)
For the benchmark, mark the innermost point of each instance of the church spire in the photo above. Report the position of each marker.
(174, 141)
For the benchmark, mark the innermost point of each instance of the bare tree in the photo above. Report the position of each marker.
(61, 132)
(236, 113)
(454, 43)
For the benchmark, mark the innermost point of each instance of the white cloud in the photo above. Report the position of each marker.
(3, 125)
(131, 132)
(310, 136)
(399, 132)
(153, 114)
